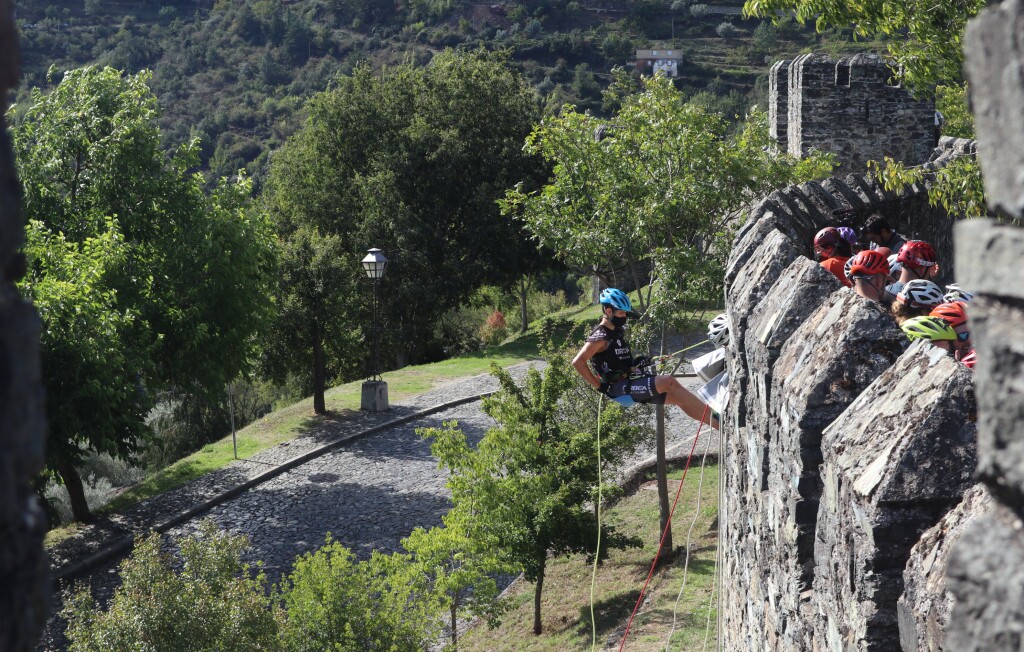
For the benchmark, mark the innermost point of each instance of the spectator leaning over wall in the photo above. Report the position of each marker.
(919, 261)
(833, 252)
(956, 294)
(916, 299)
(869, 272)
(955, 314)
(933, 329)
(895, 269)
(850, 236)
(617, 374)
(880, 233)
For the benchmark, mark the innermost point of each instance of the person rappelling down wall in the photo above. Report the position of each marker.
(624, 378)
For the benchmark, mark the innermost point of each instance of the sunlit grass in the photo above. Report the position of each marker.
(565, 610)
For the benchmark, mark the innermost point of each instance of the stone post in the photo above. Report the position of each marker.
(24, 595)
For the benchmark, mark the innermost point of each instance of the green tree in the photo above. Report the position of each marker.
(461, 561)
(924, 37)
(186, 268)
(665, 182)
(532, 482)
(334, 602)
(411, 160)
(210, 601)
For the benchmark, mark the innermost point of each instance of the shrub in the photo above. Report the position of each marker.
(726, 30)
(494, 330)
(335, 603)
(212, 603)
(699, 10)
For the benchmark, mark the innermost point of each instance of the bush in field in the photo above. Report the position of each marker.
(494, 330)
(211, 601)
(726, 30)
(334, 602)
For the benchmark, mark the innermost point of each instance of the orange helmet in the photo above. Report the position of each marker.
(953, 313)
(917, 254)
(868, 263)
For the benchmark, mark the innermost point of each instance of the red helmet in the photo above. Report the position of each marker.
(868, 263)
(953, 313)
(885, 251)
(917, 254)
(827, 239)
(969, 360)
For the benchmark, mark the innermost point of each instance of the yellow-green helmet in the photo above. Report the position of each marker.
(932, 329)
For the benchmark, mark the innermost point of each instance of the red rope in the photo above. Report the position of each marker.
(665, 532)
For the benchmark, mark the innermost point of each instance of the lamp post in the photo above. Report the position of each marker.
(375, 390)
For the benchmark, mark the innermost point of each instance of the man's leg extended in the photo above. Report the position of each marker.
(676, 394)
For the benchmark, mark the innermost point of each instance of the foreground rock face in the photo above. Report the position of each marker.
(788, 381)
(23, 569)
(895, 462)
(926, 604)
(828, 361)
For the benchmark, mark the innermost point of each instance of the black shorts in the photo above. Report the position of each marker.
(641, 389)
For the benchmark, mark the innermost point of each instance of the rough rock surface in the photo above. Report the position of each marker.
(997, 322)
(755, 514)
(895, 462)
(23, 579)
(986, 577)
(924, 608)
(994, 54)
(810, 390)
(879, 118)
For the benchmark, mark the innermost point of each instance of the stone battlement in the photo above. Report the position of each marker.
(850, 107)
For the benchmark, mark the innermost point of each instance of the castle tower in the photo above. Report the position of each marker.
(850, 107)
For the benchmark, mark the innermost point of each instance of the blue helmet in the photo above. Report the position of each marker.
(617, 299)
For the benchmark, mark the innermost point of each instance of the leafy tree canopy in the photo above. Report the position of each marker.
(211, 601)
(410, 160)
(143, 281)
(664, 180)
(923, 36)
(532, 481)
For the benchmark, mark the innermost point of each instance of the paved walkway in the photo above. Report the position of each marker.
(369, 493)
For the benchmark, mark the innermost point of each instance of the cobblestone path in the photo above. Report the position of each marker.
(369, 493)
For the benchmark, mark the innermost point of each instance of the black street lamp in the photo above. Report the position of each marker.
(375, 390)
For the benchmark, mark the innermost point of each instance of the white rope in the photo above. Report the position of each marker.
(689, 534)
(714, 587)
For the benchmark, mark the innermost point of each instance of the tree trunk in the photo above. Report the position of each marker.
(662, 466)
(455, 631)
(536, 601)
(524, 287)
(662, 475)
(73, 483)
(319, 371)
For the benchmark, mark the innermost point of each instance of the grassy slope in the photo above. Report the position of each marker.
(565, 611)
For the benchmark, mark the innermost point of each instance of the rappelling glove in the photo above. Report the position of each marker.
(605, 387)
(642, 361)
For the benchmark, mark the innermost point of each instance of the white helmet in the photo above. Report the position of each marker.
(956, 293)
(920, 293)
(718, 330)
(895, 266)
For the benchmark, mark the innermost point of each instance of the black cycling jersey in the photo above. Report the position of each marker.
(616, 361)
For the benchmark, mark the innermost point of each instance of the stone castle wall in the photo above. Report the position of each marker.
(822, 503)
(849, 107)
(24, 597)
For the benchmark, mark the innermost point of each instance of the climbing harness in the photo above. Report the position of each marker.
(665, 532)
